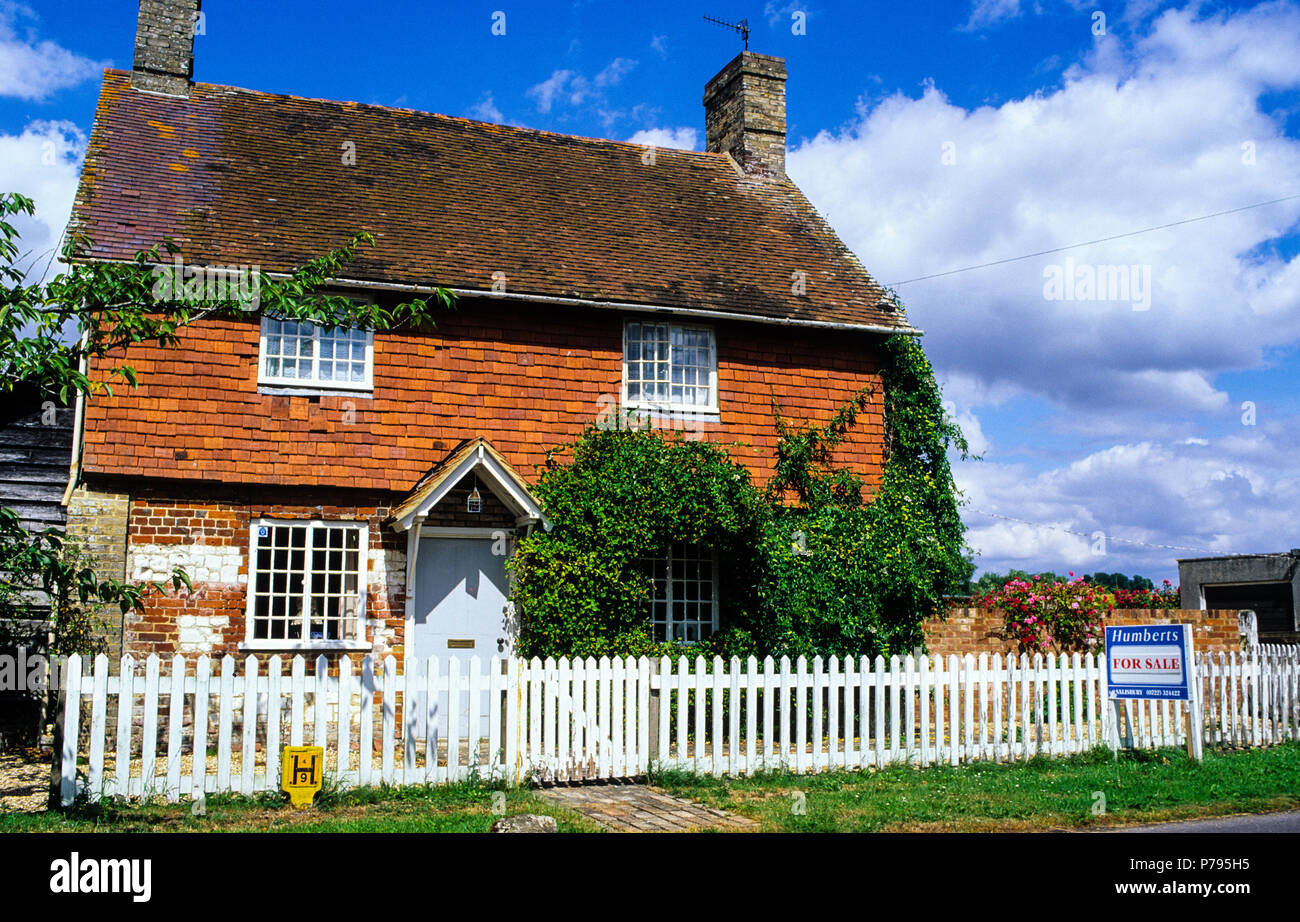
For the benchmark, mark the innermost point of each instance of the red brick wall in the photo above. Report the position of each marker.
(980, 630)
(525, 377)
(210, 538)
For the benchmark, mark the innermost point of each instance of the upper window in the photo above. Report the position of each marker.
(296, 353)
(670, 367)
(684, 607)
(307, 582)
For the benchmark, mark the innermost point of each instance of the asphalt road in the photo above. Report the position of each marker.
(1269, 822)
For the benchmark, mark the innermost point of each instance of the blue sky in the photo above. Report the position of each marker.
(1117, 432)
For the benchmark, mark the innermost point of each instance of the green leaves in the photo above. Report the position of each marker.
(828, 575)
(865, 576)
(49, 563)
(803, 456)
(623, 496)
(97, 310)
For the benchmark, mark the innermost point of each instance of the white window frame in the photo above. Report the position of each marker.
(668, 406)
(668, 582)
(363, 566)
(313, 384)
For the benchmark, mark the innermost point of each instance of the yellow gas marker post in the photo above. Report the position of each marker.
(300, 773)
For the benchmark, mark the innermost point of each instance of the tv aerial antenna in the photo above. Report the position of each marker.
(741, 28)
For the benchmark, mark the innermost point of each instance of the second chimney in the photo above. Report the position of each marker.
(744, 112)
(164, 46)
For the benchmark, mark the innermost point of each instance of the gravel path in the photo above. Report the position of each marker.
(24, 780)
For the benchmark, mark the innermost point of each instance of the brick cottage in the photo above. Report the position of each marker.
(356, 491)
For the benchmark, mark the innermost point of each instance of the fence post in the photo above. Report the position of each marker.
(56, 757)
(512, 730)
(1195, 744)
(652, 715)
(63, 764)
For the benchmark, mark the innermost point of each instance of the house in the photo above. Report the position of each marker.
(359, 491)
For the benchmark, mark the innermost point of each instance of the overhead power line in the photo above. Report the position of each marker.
(1086, 243)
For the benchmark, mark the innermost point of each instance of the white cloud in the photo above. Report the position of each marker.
(988, 13)
(659, 44)
(779, 13)
(567, 86)
(985, 13)
(1234, 494)
(44, 164)
(31, 69)
(545, 93)
(1147, 129)
(485, 110)
(681, 138)
(614, 72)
(1135, 139)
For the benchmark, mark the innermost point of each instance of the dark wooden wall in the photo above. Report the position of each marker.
(35, 451)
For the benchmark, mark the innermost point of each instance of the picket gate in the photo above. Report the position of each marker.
(178, 728)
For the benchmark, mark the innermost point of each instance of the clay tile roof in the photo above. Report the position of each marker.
(238, 177)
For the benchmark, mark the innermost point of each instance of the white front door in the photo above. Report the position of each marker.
(461, 610)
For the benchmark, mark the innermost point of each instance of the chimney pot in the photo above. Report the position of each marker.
(744, 112)
(164, 46)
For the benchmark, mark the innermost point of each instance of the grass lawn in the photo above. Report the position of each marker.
(465, 807)
(1141, 787)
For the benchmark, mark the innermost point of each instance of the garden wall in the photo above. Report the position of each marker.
(980, 630)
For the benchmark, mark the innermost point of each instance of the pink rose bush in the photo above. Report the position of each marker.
(1167, 596)
(1039, 613)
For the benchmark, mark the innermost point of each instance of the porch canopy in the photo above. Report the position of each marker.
(476, 456)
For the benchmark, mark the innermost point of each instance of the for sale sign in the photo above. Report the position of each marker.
(1149, 661)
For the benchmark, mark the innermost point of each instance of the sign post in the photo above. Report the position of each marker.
(1154, 662)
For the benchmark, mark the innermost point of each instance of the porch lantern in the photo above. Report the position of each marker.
(474, 502)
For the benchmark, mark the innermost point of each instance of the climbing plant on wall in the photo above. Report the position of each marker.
(622, 496)
(812, 563)
(846, 576)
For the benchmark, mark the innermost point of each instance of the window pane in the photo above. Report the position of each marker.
(669, 365)
(302, 352)
(328, 577)
(681, 604)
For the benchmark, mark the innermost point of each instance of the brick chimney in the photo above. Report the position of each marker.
(744, 112)
(164, 46)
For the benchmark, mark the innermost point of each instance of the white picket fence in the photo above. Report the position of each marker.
(136, 734)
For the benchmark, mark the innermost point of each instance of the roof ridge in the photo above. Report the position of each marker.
(720, 157)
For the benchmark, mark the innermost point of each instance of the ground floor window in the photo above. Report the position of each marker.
(308, 582)
(684, 607)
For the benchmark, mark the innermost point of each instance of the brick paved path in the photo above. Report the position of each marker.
(637, 808)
